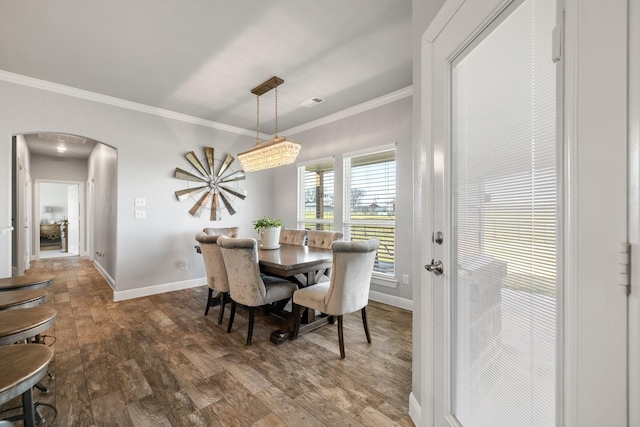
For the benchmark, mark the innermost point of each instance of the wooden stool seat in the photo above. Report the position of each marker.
(21, 367)
(18, 325)
(22, 299)
(35, 281)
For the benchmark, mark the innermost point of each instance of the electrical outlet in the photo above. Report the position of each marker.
(184, 264)
(140, 214)
(405, 279)
(139, 201)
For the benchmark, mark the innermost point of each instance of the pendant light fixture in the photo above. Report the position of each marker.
(278, 151)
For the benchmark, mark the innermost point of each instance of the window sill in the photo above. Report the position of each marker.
(384, 280)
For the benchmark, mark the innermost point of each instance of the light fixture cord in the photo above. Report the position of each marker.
(257, 119)
(276, 112)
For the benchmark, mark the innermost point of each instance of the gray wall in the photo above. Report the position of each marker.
(58, 168)
(149, 149)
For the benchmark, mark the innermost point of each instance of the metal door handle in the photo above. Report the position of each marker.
(435, 267)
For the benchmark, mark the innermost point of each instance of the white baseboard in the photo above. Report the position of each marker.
(158, 289)
(104, 273)
(415, 410)
(404, 303)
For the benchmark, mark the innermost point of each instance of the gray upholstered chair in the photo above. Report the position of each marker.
(347, 290)
(322, 239)
(293, 237)
(246, 285)
(215, 269)
(224, 231)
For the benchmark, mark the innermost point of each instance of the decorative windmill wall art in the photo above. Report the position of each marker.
(217, 179)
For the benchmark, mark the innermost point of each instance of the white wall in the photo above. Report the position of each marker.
(388, 124)
(149, 148)
(58, 168)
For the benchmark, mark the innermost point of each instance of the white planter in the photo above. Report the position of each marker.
(270, 237)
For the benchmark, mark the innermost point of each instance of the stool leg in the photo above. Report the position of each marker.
(27, 408)
(42, 388)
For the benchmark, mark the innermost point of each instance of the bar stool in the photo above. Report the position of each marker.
(27, 298)
(35, 281)
(21, 367)
(24, 324)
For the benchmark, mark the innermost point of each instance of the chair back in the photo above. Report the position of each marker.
(293, 237)
(228, 231)
(243, 270)
(213, 262)
(322, 239)
(350, 276)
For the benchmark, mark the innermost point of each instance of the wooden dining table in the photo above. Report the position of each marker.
(288, 261)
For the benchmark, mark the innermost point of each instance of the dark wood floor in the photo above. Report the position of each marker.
(158, 361)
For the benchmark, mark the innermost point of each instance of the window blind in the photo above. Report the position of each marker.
(316, 195)
(504, 219)
(370, 203)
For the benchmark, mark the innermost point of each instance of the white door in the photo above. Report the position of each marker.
(73, 213)
(528, 320)
(23, 232)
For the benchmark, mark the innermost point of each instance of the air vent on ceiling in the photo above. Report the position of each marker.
(312, 102)
(62, 137)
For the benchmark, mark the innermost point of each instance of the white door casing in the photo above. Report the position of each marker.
(73, 217)
(593, 346)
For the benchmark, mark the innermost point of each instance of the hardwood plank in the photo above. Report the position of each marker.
(158, 360)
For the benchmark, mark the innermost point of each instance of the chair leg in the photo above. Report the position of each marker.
(250, 331)
(232, 315)
(209, 299)
(221, 296)
(295, 312)
(340, 337)
(364, 322)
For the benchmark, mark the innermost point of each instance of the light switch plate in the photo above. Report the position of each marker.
(140, 214)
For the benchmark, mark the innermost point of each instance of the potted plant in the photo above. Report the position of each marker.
(269, 230)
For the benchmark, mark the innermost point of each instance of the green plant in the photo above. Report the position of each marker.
(267, 222)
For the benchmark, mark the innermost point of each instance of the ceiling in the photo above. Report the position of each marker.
(202, 57)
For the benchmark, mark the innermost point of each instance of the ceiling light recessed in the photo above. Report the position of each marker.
(61, 150)
(312, 102)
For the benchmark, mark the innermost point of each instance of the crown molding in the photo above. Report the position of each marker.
(352, 111)
(117, 102)
(143, 108)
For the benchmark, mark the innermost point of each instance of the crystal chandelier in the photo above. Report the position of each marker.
(278, 151)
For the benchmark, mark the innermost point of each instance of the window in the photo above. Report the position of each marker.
(315, 195)
(370, 202)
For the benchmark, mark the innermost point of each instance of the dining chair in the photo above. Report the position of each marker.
(246, 285)
(216, 271)
(293, 237)
(223, 231)
(347, 290)
(322, 239)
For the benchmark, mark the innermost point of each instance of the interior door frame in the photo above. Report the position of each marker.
(36, 214)
(576, 405)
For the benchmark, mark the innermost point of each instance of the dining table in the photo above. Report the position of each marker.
(288, 261)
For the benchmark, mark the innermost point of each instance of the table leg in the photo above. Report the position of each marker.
(309, 322)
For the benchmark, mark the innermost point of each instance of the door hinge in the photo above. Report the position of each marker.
(624, 265)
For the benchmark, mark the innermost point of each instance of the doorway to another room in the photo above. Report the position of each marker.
(59, 206)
